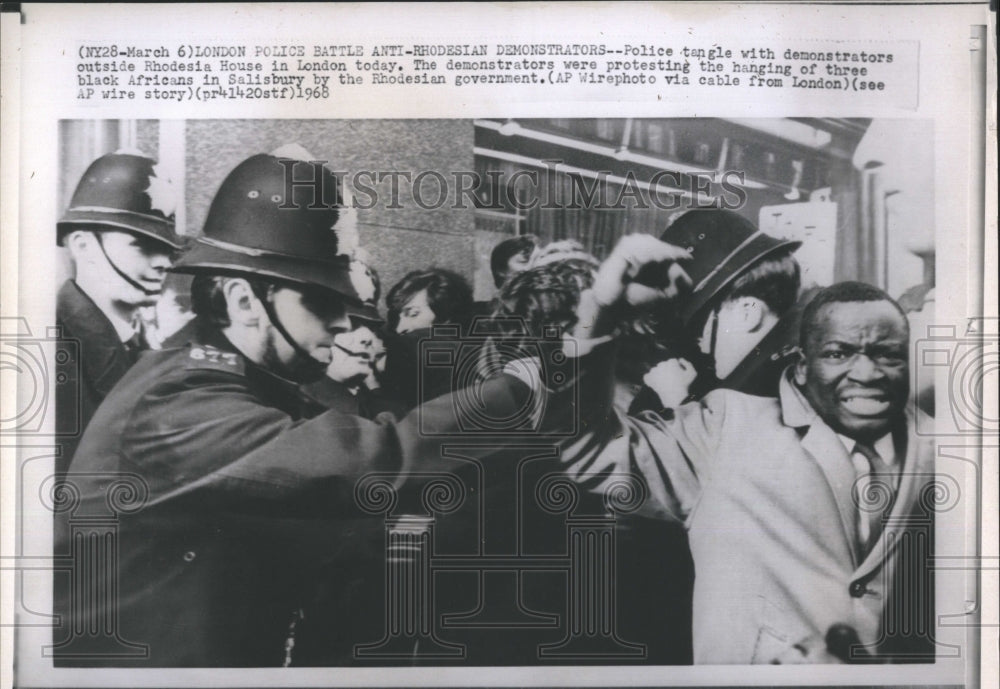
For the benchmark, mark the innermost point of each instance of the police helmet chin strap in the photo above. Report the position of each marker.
(145, 290)
(709, 359)
(713, 338)
(263, 293)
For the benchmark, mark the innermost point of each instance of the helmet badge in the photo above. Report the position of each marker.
(362, 281)
(161, 192)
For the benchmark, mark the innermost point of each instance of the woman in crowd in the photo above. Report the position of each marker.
(422, 299)
(428, 297)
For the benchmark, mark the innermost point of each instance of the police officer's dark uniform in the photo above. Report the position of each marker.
(655, 560)
(331, 394)
(112, 195)
(242, 487)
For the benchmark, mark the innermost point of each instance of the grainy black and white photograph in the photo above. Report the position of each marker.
(498, 344)
(494, 392)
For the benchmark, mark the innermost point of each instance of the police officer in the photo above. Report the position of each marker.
(738, 324)
(739, 313)
(119, 231)
(241, 489)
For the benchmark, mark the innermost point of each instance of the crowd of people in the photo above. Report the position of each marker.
(763, 420)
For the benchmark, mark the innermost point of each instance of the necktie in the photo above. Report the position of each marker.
(875, 497)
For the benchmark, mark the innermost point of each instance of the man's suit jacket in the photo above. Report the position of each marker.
(764, 488)
(654, 558)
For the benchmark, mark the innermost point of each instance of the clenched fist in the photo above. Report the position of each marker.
(616, 277)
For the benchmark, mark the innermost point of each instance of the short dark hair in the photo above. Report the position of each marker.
(775, 280)
(546, 296)
(507, 249)
(849, 292)
(448, 294)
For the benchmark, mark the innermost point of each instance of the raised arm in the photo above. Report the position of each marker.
(673, 457)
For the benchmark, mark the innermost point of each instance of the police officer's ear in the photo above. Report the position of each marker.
(242, 305)
(750, 314)
(80, 243)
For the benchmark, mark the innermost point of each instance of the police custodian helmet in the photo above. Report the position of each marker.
(723, 245)
(274, 217)
(123, 191)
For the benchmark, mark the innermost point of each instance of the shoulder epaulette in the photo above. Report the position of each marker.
(208, 357)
